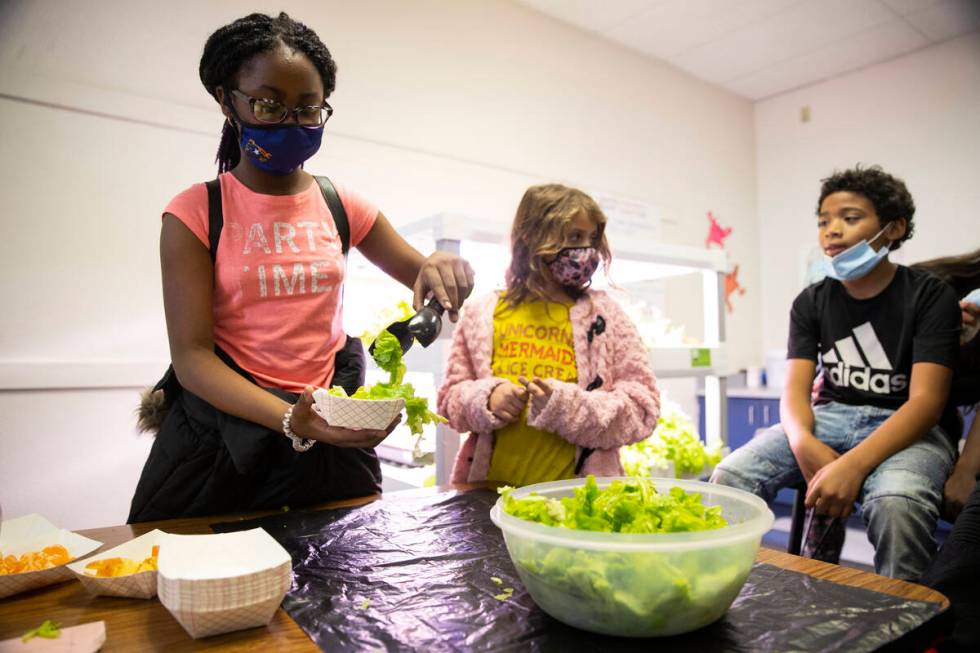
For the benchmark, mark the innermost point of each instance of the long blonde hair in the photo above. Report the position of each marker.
(540, 226)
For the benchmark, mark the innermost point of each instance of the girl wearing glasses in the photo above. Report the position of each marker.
(256, 321)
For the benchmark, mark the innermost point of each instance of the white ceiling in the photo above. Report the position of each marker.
(760, 48)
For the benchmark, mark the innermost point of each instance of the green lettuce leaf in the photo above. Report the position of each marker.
(385, 317)
(48, 629)
(388, 355)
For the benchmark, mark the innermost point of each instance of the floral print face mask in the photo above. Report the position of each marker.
(574, 266)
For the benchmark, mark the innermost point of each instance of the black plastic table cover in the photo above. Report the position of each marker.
(414, 574)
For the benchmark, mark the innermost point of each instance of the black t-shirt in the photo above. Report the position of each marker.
(867, 346)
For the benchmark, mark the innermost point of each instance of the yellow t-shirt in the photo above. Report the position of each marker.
(533, 339)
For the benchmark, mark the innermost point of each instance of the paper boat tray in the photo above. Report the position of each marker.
(33, 533)
(216, 584)
(138, 586)
(356, 413)
(86, 638)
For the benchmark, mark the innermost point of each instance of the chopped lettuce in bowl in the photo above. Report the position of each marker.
(629, 558)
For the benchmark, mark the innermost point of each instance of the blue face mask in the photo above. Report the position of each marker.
(277, 149)
(855, 262)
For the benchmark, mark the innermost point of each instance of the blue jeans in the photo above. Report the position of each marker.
(900, 499)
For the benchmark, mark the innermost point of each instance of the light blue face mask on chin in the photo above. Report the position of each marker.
(856, 261)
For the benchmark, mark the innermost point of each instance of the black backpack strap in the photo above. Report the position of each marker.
(216, 218)
(337, 211)
(216, 221)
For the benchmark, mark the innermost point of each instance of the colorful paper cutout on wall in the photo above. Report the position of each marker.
(731, 286)
(716, 233)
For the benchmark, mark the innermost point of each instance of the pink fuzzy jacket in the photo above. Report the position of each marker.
(623, 408)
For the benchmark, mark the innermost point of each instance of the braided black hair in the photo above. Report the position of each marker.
(888, 194)
(228, 48)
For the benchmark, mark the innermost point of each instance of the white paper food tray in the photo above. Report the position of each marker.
(356, 413)
(86, 638)
(138, 586)
(33, 533)
(215, 584)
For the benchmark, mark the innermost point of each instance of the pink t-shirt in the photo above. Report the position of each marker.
(278, 277)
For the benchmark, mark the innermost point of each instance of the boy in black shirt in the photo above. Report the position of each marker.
(887, 337)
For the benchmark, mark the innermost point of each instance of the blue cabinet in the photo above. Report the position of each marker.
(746, 416)
(742, 415)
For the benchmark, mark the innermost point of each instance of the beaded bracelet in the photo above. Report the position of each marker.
(299, 444)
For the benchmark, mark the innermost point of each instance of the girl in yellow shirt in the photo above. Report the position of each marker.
(549, 377)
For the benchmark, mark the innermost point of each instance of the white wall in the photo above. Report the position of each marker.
(917, 116)
(441, 106)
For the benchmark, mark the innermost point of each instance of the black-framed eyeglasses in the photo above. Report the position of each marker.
(271, 112)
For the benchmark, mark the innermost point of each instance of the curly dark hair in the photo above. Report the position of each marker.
(888, 194)
(229, 47)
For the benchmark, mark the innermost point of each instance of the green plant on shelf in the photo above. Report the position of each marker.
(676, 441)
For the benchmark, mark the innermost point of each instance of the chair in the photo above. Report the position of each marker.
(830, 534)
(797, 521)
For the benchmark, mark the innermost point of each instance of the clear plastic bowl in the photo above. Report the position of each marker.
(637, 585)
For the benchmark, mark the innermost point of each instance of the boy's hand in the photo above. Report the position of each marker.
(812, 455)
(507, 401)
(956, 492)
(540, 392)
(834, 488)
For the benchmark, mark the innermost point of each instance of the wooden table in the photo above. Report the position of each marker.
(145, 625)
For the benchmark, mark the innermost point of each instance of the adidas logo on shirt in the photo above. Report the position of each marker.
(859, 361)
